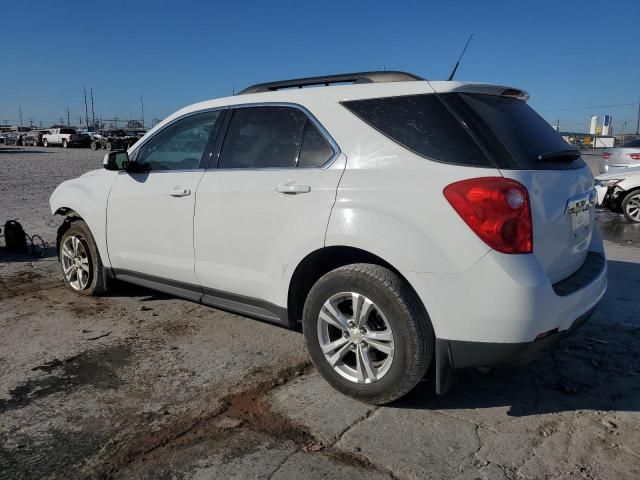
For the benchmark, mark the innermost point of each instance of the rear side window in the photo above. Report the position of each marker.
(263, 137)
(315, 151)
(422, 124)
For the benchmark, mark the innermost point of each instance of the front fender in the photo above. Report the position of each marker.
(87, 196)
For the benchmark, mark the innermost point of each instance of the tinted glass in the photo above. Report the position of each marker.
(67, 130)
(315, 150)
(263, 137)
(511, 130)
(181, 145)
(424, 125)
(632, 144)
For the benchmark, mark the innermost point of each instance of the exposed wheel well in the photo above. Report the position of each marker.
(317, 264)
(71, 216)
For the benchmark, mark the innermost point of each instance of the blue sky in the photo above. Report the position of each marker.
(566, 54)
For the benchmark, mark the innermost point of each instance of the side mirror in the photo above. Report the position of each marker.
(116, 160)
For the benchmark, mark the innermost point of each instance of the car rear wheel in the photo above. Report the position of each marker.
(367, 333)
(94, 146)
(631, 206)
(45, 143)
(64, 143)
(109, 146)
(80, 261)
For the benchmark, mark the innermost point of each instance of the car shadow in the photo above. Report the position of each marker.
(10, 150)
(598, 369)
(9, 257)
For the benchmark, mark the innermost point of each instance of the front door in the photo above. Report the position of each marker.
(150, 210)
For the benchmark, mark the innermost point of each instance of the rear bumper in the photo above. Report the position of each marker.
(463, 354)
(455, 354)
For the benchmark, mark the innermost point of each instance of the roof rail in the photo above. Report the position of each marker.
(358, 77)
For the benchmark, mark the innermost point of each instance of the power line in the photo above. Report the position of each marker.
(587, 107)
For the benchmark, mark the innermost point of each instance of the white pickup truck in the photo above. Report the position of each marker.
(67, 137)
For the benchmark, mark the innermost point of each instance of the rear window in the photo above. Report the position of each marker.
(422, 124)
(511, 131)
(632, 144)
(67, 130)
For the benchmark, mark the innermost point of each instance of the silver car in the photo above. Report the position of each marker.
(627, 155)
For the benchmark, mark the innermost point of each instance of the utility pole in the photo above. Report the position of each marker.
(557, 125)
(20, 112)
(40, 123)
(68, 118)
(31, 122)
(142, 109)
(93, 115)
(86, 109)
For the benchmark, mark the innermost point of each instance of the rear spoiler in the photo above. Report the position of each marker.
(484, 88)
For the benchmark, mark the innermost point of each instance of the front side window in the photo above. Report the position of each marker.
(181, 145)
(263, 137)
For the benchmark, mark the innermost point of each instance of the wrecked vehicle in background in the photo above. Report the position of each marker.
(112, 139)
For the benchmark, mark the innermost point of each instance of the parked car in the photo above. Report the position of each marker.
(628, 155)
(403, 224)
(66, 137)
(619, 191)
(112, 139)
(13, 138)
(34, 137)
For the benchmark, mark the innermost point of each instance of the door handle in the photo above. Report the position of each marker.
(293, 189)
(179, 192)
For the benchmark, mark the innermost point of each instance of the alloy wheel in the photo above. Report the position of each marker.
(355, 337)
(633, 207)
(75, 262)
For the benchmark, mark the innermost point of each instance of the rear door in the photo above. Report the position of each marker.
(526, 148)
(150, 210)
(266, 204)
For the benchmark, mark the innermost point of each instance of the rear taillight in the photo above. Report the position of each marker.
(606, 155)
(635, 156)
(497, 209)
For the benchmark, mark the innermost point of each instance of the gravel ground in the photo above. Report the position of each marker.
(141, 385)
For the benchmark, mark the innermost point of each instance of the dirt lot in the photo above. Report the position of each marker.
(141, 385)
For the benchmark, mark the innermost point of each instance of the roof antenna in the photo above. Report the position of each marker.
(453, 72)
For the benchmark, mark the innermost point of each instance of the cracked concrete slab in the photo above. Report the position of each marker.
(318, 466)
(310, 401)
(412, 443)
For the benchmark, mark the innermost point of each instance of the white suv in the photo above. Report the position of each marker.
(403, 223)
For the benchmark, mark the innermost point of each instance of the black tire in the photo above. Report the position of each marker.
(94, 146)
(45, 143)
(65, 144)
(109, 146)
(97, 282)
(413, 336)
(629, 204)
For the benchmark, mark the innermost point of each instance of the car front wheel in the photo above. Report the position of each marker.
(631, 206)
(45, 143)
(367, 333)
(80, 261)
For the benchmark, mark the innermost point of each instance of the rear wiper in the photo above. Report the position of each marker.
(561, 155)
